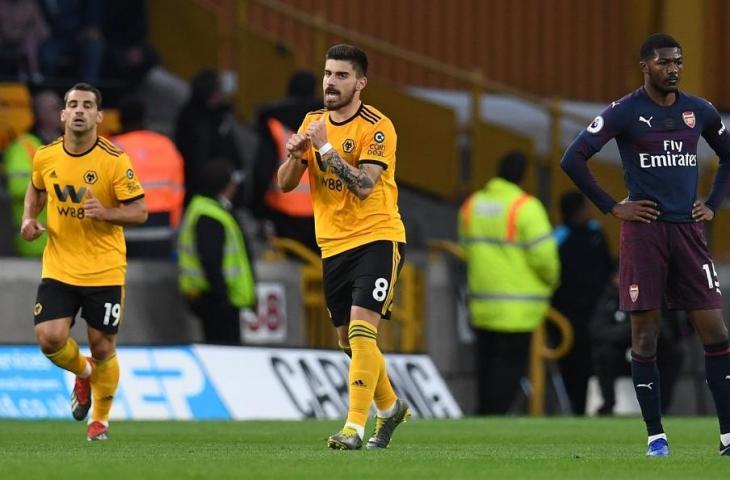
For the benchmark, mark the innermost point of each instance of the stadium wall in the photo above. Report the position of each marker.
(156, 315)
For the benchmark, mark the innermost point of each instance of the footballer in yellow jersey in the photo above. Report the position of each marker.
(90, 190)
(82, 251)
(349, 151)
(343, 220)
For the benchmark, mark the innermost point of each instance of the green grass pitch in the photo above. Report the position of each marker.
(495, 448)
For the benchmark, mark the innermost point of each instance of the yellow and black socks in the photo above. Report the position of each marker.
(104, 381)
(346, 349)
(69, 358)
(364, 372)
(385, 396)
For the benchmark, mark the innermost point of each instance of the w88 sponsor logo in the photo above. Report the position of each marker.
(334, 184)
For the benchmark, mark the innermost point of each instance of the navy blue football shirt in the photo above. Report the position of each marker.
(658, 147)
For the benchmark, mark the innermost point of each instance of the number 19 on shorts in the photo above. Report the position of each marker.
(112, 310)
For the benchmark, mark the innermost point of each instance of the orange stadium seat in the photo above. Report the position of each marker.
(111, 125)
(16, 112)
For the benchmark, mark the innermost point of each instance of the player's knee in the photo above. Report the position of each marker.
(644, 342)
(360, 313)
(51, 341)
(715, 336)
(102, 350)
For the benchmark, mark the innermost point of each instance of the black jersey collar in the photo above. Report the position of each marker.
(80, 154)
(359, 109)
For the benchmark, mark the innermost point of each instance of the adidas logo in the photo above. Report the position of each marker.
(358, 383)
(53, 174)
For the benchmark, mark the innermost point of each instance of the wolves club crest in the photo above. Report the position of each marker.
(634, 292)
(689, 119)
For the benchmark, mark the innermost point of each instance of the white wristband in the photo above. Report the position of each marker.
(324, 149)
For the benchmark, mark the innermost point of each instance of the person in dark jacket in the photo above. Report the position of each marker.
(587, 264)
(206, 128)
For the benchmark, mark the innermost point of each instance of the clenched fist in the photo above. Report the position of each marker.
(297, 145)
(93, 208)
(317, 132)
(31, 229)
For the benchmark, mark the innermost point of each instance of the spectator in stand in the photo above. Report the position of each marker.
(586, 267)
(19, 163)
(76, 43)
(159, 168)
(22, 32)
(128, 55)
(206, 128)
(291, 214)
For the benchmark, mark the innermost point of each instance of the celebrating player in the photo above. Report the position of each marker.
(663, 251)
(348, 149)
(92, 192)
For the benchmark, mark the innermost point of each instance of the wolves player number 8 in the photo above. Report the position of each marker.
(711, 282)
(381, 289)
(111, 310)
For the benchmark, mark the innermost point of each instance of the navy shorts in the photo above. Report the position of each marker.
(364, 276)
(670, 261)
(101, 307)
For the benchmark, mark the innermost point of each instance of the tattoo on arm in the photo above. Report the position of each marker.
(356, 181)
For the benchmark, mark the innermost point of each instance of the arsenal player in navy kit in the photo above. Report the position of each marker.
(663, 252)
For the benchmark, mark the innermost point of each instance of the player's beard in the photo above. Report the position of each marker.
(343, 101)
(664, 87)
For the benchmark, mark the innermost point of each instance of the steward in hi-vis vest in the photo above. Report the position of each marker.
(513, 268)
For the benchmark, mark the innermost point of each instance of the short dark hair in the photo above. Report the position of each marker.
(302, 83)
(656, 41)
(354, 55)
(203, 85)
(571, 202)
(215, 176)
(132, 113)
(84, 87)
(512, 166)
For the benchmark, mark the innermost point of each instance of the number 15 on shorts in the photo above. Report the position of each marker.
(712, 281)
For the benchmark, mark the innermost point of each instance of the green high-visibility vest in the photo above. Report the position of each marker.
(512, 258)
(237, 270)
(19, 167)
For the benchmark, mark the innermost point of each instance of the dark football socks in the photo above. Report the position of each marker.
(717, 372)
(645, 375)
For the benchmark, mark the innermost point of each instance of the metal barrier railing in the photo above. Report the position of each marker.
(540, 350)
(404, 332)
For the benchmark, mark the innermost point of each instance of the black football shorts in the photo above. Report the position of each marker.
(364, 276)
(101, 307)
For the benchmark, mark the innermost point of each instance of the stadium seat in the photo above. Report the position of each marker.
(111, 125)
(16, 112)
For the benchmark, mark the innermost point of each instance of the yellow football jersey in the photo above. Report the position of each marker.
(343, 221)
(82, 251)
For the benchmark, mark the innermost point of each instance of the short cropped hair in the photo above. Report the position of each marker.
(571, 202)
(84, 87)
(354, 55)
(132, 113)
(215, 176)
(512, 166)
(656, 41)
